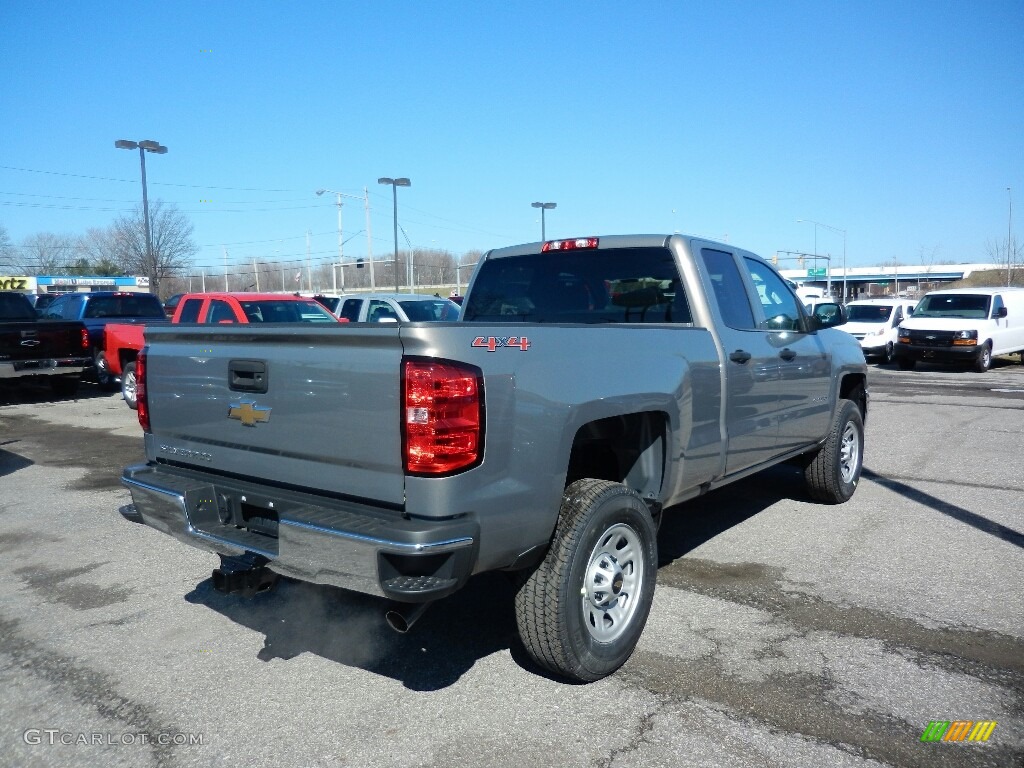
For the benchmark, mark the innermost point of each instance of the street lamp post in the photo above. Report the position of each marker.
(145, 146)
(543, 207)
(834, 229)
(395, 184)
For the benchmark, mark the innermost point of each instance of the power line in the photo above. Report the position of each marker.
(152, 183)
(459, 226)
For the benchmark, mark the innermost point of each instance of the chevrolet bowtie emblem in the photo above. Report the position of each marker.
(248, 412)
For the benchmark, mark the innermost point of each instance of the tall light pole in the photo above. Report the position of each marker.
(395, 184)
(145, 146)
(834, 229)
(543, 207)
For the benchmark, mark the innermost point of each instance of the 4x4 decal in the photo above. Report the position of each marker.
(492, 343)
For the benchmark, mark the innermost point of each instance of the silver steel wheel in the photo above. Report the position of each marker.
(849, 452)
(613, 583)
(128, 385)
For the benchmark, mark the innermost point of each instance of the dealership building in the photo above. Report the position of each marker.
(889, 280)
(57, 284)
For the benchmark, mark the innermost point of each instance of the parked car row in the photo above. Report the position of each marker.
(98, 308)
(958, 325)
(124, 341)
(967, 326)
(34, 349)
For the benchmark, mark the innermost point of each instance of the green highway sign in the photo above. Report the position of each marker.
(818, 272)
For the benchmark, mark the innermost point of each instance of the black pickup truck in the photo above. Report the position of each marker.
(31, 348)
(95, 310)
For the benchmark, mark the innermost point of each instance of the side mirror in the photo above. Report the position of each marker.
(828, 315)
(1000, 313)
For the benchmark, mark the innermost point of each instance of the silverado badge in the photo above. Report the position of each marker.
(247, 412)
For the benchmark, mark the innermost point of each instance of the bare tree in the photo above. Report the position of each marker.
(467, 263)
(434, 267)
(6, 249)
(927, 257)
(46, 253)
(1009, 254)
(171, 236)
(97, 253)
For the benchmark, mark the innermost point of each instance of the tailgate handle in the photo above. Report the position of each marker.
(248, 376)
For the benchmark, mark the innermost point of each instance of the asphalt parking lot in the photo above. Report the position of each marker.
(784, 633)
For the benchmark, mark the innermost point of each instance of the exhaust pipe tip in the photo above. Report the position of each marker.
(401, 618)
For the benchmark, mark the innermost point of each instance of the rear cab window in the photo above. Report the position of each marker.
(614, 285)
(124, 305)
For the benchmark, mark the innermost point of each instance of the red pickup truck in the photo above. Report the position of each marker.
(123, 342)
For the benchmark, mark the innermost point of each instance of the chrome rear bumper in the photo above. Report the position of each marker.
(325, 541)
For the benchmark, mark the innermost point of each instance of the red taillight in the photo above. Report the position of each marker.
(85, 338)
(443, 417)
(140, 390)
(576, 244)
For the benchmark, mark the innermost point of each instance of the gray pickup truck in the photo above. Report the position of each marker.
(588, 385)
(54, 351)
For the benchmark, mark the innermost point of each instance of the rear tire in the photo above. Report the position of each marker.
(834, 471)
(581, 612)
(129, 386)
(887, 353)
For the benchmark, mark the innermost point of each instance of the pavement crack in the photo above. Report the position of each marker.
(641, 731)
(88, 687)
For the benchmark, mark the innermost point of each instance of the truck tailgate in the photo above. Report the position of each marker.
(316, 408)
(33, 340)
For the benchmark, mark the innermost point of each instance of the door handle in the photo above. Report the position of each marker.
(248, 376)
(787, 354)
(740, 356)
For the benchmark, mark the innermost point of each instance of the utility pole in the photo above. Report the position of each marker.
(226, 289)
(341, 262)
(309, 269)
(256, 273)
(369, 238)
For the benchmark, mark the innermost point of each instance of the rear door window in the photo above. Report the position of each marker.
(219, 312)
(379, 311)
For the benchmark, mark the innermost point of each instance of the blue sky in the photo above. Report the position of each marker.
(900, 122)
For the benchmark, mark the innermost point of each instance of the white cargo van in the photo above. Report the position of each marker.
(873, 322)
(966, 325)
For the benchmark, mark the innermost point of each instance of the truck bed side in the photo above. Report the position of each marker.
(329, 421)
